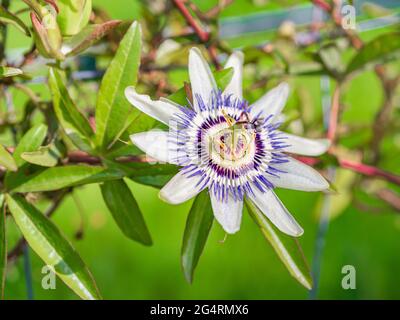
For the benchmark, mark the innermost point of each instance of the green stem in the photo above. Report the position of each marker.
(28, 273)
(3, 32)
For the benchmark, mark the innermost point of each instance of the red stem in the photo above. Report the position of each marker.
(203, 35)
(358, 167)
(333, 118)
(323, 4)
(369, 170)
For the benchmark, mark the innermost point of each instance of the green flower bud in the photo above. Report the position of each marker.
(73, 15)
(47, 34)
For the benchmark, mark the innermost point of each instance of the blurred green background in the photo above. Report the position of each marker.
(244, 266)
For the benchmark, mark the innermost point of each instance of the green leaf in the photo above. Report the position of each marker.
(222, 78)
(8, 17)
(198, 226)
(382, 49)
(141, 169)
(342, 194)
(3, 246)
(112, 107)
(287, 248)
(138, 123)
(88, 36)
(62, 177)
(52, 247)
(121, 149)
(31, 141)
(330, 57)
(73, 122)
(125, 210)
(304, 68)
(7, 160)
(156, 181)
(46, 156)
(374, 10)
(6, 72)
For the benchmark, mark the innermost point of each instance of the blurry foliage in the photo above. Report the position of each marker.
(64, 123)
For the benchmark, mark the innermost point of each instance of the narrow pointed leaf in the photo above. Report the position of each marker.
(88, 37)
(198, 226)
(287, 248)
(158, 181)
(382, 49)
(52, 247)
(7, 160)
(46, 156)
(31, 141)
(125, 210)
(8, 17)
(73, 122)
(3, 246)
(112, 107)
(6, 72)
(62, 177)
(141, 169)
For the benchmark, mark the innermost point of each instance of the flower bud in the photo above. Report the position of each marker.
(47, 33)
(73, 15)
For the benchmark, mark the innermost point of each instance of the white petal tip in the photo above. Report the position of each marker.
(194, 50)
(298, 233)
(194, 54)
(196, 57)
(165, 197)
(284, 87)
(294, 230)
(325, 144)
(135, 138)
(325, 185)
(322, 184)
(229, 230)
(237, 55)
(132, 95)
(129, 91)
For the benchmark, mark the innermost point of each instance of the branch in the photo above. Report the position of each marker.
(370, 171)
(390, 197)
(203, 35)
(358, 167)
(334, 114)
(323, 5)
(383, 115)
(213, 12)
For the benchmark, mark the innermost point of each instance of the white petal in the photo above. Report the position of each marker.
(201, 78)
(228, 213)
(272, 102)
(154, 143)
(159, 110)
(234, 87)
(163, 99)
(274, 210)
(298, 176)
(180, 188)
(306, 147)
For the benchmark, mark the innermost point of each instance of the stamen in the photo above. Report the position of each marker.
(231, 122)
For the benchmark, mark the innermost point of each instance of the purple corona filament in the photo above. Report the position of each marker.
(230, 151)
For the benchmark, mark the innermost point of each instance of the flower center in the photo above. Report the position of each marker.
(232, 143)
